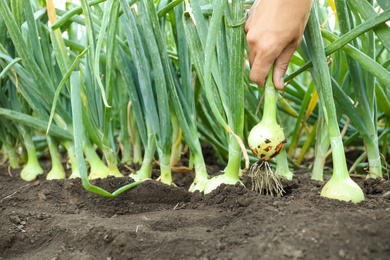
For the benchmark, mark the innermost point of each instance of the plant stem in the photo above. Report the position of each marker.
(10, 152)
(165, 169)
(97, 169)
(111, 161)
(364, 94)
(321, 149)
(69, 146)
(270, 100)
(57, 171)
(340, 186)
(145, 172)
(282, 168)
(31, 169)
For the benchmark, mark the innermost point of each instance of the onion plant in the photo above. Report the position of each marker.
(340, 186)
(35, 77)
(221, 45)
(364, 90)
(105, 82)
(143, 44)
(266, 140)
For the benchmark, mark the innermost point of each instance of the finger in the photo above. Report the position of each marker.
(281, 65)
(252, 9)
(252, 57)
(260, 69)
(249, 15)
(252, 47)
(247, 23)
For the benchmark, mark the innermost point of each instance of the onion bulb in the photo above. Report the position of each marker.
(266, 140)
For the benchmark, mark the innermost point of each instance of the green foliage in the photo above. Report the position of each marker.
(136, 81)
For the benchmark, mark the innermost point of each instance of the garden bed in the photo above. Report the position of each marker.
(60, 220)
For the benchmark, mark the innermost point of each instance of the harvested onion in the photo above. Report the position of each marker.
(266, 140)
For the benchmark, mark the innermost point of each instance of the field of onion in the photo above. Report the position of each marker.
(131, 107)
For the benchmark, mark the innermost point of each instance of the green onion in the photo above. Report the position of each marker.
(340, 186)
(139, 82)
(226, 101)
(32, 168)
(365, 93)
(183, 102)
(57, 170)
(266, 140)
(321, 151)
(282, 168)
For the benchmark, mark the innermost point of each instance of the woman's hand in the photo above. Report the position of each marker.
(274, 30)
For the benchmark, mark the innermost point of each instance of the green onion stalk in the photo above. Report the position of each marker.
(231, 173)
(164, 130)
(182, 103)
(124, 139)
(135, 139)
(8, 138)
(79, 141)
(321, 150)
(282, 167)
(10, 154)
(196, 45)
(365, 94)
(177, 146)
(32, 99)
(229, 98)
(165, 167)
(176, 17)
(304, 99)
(111, 161)
(32, 168)
(15, 101)
(70, 149)
(66, 68)
(34, 77)
(367, 11)
(145, 172)
(135, 113)
(143, 44)
(383, 77)
(57, 170)
(97, 169)
(266, 140)
(110, 21)
(235, 90)
(182, 94)
(340, 186)
(93, 134)
(99, 111)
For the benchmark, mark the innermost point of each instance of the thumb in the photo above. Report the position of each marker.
(281, 65)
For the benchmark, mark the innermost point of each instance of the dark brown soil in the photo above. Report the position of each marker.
(60, 220)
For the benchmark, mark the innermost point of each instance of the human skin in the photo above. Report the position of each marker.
(274, 30)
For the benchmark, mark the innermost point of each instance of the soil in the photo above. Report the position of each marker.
(60, 220)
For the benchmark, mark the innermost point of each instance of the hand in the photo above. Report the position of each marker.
(274, 30)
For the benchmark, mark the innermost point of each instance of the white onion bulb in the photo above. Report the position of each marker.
(266, 140)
